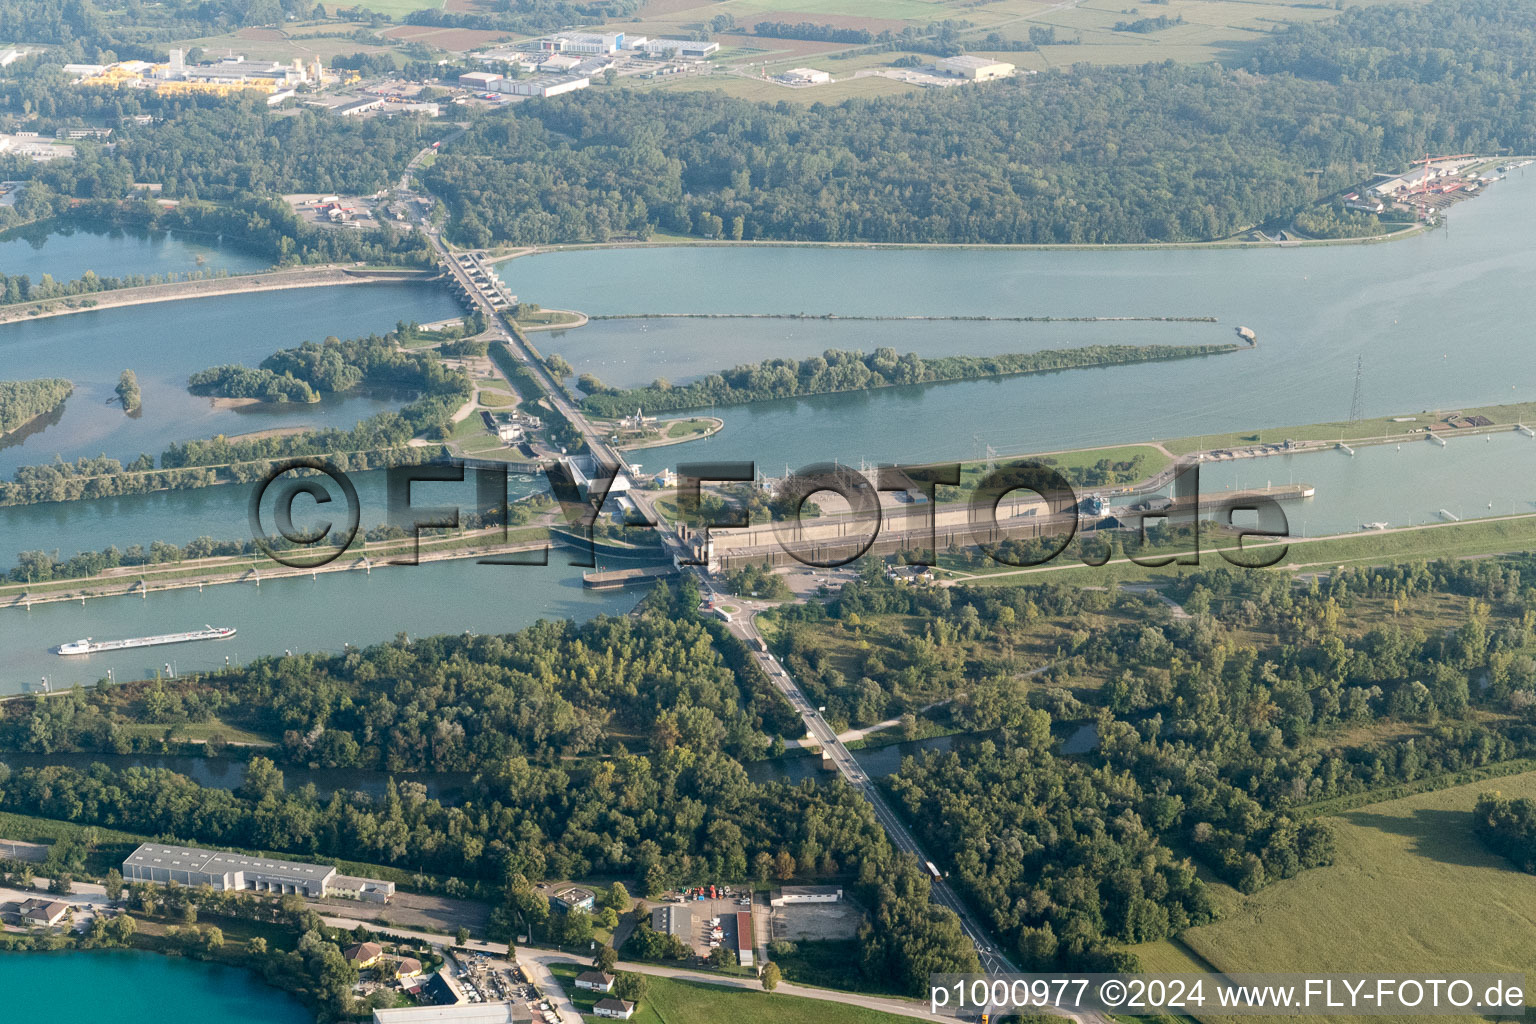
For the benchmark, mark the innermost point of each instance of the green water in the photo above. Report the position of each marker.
(122, 987)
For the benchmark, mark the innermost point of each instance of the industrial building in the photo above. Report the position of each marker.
(977, 69)
(480, 81)
(356, 107)
(572, 898)
(186, 865)
(806, 76)
(583, 42)
(792, 894)
(673, 920)
(230, 75)
(542, 86)
(687, 48)
(744, 938)
(29, 144)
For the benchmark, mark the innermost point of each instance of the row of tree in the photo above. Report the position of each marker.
(835, 370)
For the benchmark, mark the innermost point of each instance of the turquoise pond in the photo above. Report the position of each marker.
(121, 987)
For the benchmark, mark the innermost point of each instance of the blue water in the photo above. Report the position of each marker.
(167, 342)
(66, 252)
(124, 987)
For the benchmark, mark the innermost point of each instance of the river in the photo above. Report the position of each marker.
(229, 773)
(218, 512)
(164, 343)
(295, 614)
(123, 987)
(1439, 321)
(67, 251)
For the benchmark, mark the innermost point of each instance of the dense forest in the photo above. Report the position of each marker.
(527, 17)
(1157, 153)
(85, 27)
(305, 373)
(836, 370)
(546, 717)
(22, 401)
(1215, 733)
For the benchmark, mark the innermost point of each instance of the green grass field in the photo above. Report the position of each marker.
(1411, 891)
(1381, 426)
(1438, 540)
(396, 9)
(668, 1001)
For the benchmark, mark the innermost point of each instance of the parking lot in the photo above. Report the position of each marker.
(704, 935)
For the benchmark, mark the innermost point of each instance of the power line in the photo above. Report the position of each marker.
(1357, 403)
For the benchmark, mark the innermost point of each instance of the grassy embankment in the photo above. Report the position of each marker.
(671, 1001)
(221, 570)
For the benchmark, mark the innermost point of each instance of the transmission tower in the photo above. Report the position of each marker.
(1357, 403)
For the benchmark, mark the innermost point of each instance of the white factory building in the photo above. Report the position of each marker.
(977, 69)
(30, 144)
(480, 81)
(790, 895)
(584, 42)
(679, 48)
(189, 866)
(544, 85)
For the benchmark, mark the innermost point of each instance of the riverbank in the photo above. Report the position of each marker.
(276, 280)
(711, 425)
(140, 581)
(1228, 243)
(934, 319)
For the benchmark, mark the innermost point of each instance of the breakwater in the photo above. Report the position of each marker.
(956, 318)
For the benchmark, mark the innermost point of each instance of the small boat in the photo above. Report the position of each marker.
(1373, 526)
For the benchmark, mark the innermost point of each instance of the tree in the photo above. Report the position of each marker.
(607, 959)
(113, 884)
(461, 936)
(783, 866)
(631, 986)
(770, 976)
(722, 957)
(61, 884)
(618, 898)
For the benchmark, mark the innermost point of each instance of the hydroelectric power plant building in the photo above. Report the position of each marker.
(186, 865)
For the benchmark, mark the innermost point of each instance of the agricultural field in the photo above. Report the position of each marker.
(1203, 30)
(1411, 890)
(276, 44)
(396, 9)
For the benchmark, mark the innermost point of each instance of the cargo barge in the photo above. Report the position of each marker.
(89, 646)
